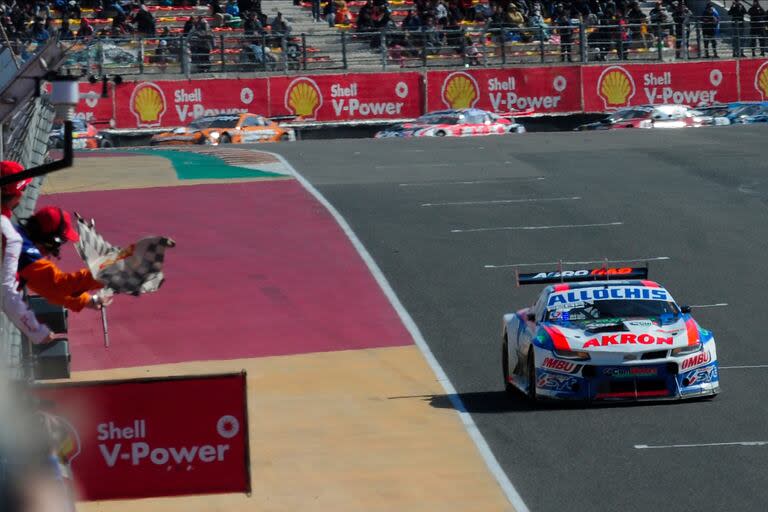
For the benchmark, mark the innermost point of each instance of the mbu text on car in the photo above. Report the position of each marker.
(606, 334)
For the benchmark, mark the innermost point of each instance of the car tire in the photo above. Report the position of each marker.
(105, 143)
(532, 396)
(440, 133)
(508, 387)
(225, 139)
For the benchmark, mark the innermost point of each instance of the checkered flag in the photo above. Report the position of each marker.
(133, 270)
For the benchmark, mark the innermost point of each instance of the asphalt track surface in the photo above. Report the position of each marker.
(698, 197)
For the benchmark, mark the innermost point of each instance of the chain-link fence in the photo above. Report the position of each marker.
(25, 140)
(591, 41)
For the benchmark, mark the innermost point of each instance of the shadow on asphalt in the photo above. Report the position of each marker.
(499, 401)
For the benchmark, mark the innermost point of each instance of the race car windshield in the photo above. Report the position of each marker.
(201, 123)
(626, 115)
(438, 120)
(224, 122)
(619, 308)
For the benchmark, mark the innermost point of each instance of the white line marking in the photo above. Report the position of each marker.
(533, 228)
(587, 262)
(701, 445)
(475, 182)
(504, 201)
(718, 305)
(469, 424)
(428, 164)
(745, 367)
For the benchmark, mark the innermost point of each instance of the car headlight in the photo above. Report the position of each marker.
(684, 351)
(214, 135)
(578, 355)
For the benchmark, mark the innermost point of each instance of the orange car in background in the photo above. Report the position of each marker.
(225, 129)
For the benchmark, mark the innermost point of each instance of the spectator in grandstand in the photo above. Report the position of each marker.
(145, 21)
(737, 13)
(13, 303)
(161, 56)
(200, 45)
(537, 21)
(65, 32)
(638, 23)
(682, 17)
(709, 22)
(329, 12)
(343, 14)
(658, 14)
(279, 25)
(86, 30)
(758, 28)
(232, 9)
(188, 25)
(432, 39)
(120, 27)
(252, 25)
(316, 8)
(38, 33)
(43, 235)
(563, 22)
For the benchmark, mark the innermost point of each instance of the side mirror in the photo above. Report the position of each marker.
(531, 317)
(685, 309)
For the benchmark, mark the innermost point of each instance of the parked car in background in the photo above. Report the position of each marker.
(226, 129)
(84, 136)
(650, 116)
(467, 122)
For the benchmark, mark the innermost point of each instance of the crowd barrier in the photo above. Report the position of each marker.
(358, 97)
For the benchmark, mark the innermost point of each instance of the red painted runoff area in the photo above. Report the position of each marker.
(260, 269)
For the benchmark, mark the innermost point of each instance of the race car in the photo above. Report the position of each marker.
(467, 122)
(606, 334)
(225, 129)
(84, 136)
(650, 116)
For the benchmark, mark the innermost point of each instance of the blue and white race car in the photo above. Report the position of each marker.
(606, 334)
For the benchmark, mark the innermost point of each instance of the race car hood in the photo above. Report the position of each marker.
(624, 335)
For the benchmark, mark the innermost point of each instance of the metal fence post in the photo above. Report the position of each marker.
(264, 51)
(141, 55)
(284, 48)
(541, 43)
(303, 51)
(185, 57)
(659, 43)
(698, 39)
(463, 46)
(583, 48)
(100, 50)
(686, 41)
(344, 49)
(383, 42)
(502, 43)
(221, 46)
(424, 51)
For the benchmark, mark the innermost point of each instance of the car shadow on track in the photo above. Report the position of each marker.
(499, 401)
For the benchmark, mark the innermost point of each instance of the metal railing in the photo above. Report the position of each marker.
(231, 52)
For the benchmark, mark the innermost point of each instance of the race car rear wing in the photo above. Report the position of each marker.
(584, 274)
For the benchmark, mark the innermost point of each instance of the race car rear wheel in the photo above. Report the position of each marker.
(225, 139)
(440, 133)
(285, 137)
(532, 396)
(508, 387)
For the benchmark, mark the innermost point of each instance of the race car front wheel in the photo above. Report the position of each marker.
(532, 396)
(508, 387)
(225, 139)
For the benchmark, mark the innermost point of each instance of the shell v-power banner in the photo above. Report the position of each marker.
(351, 97)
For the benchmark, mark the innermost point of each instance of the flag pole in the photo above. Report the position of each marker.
(104, 326)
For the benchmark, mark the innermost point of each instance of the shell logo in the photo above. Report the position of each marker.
(303, 97)
(761, 80)
(148, 104)
(460, 90)
(616, 87)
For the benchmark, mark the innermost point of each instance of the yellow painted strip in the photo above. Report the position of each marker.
(342, 431)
